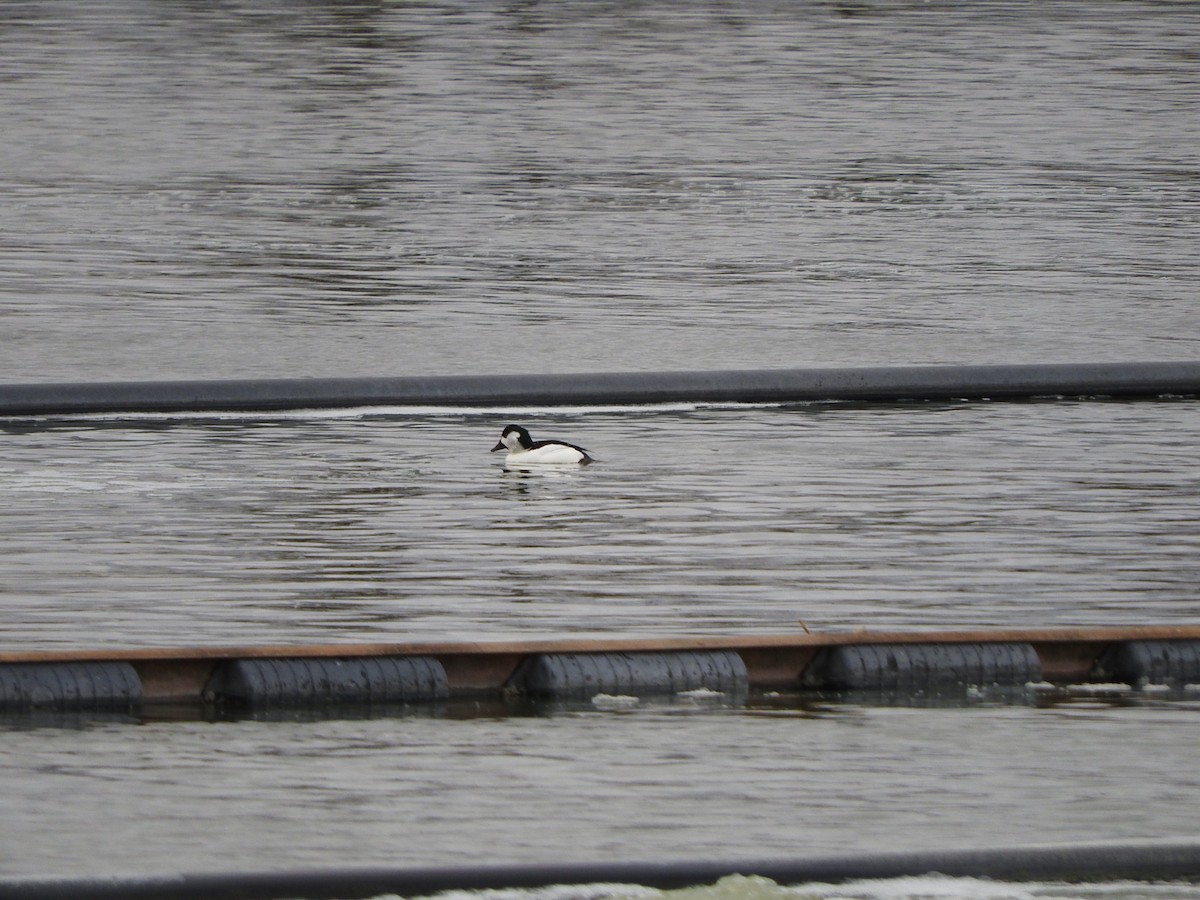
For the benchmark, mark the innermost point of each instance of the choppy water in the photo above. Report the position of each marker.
(243, 190)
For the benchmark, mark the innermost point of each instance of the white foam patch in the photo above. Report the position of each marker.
(923, 887)
(552, 892)
(702, 693)
(926, 887)
(1101, 687)
(737, 887)
(615, 701)
(1118, 890)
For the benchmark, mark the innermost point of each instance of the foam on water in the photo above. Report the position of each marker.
(615, 701)
(1100, 687)
(555, 892)
(926, 887)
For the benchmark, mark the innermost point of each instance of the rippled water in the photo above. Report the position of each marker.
(369, 527)
(368, 188)
(679, 782)
(244, 190)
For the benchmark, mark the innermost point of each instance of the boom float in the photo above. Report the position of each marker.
(332, 676)
(884, 384)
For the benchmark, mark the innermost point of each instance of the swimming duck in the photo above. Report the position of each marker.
(524, 450)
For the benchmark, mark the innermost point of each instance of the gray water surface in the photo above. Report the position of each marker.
(349, 527)
(336, 189)
(352, 189)
(674, 782)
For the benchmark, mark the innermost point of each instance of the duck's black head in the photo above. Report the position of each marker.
(514, 438)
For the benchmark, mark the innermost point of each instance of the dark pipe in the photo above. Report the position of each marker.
(1124, 380)
(1078, 862)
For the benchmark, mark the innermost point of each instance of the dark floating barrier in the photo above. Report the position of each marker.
(887, 384)
(389, 677)
(314, 682)
(1175, 663)
(1164, 861)
(923, 667)
(105, 686)
(581, 676)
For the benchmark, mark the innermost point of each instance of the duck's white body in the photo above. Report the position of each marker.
(525, 451)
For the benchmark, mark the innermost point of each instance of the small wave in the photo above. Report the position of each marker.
(363, 412)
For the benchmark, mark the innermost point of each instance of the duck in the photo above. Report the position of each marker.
(524, 450)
